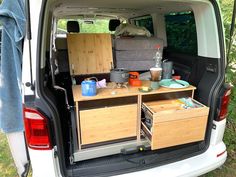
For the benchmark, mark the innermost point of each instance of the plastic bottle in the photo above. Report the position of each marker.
(158, 56)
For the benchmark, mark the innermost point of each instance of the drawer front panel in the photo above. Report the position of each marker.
(106, 124)
(171, 110)
(172, 133)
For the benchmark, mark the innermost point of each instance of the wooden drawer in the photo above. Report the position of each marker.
(173, 125)
(109, 123)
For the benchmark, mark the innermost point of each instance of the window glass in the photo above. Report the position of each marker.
(181, 32)
(86, 26)
(145, 21)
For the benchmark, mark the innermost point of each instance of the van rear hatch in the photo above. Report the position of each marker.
(108, 134)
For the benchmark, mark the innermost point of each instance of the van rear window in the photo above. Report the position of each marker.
(86, 26)
(181, 32)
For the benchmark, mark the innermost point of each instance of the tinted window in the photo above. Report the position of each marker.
(86, 26)
(181, 32)
(145, 21)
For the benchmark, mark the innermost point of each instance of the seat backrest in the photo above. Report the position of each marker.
(61, 43)
(61, 46)
(113, 23)
(137, 53)
(73, 27)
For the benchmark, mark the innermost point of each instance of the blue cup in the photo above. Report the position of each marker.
(89, 88)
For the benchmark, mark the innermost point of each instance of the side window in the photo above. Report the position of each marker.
(145, 21)
(86, 26)
(181, 32)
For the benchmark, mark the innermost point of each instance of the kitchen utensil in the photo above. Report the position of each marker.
(155, 74)
(134, 79)
(155, 85)
(88, 88)
(119, 75)
(169, 83)
(178, 82)
(167, 69)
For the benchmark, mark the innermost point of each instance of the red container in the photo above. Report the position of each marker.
(134, 79)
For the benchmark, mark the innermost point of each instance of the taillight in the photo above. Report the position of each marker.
(224, 105)
(36, 130)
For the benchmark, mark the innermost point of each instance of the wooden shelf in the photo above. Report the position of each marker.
(122, 92)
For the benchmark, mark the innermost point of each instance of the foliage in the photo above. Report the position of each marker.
(231, 69)
(97, 26)
(181, 32)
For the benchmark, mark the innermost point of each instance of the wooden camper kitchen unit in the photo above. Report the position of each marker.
(109, 118)
(111, 122)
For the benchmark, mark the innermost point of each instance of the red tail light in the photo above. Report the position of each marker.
(36, 130)
(224, 105)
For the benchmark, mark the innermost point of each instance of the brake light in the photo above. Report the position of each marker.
(224, 105)
(36, 130)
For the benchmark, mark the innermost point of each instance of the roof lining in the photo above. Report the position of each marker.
(123, 8)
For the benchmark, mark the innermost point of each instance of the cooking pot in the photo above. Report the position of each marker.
(119, 75)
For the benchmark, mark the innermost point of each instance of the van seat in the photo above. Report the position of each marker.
(61, 43)
(61, 46)
(136, 54)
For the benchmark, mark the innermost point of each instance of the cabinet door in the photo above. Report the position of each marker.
(109, 123)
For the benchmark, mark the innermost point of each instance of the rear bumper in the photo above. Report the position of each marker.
(190, 167)
(45, 164)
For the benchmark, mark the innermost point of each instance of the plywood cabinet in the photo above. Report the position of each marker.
(109, 123)
(112, 118)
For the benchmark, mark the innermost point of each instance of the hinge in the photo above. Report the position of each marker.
(71, 159)
(214, 126)
(55, 152)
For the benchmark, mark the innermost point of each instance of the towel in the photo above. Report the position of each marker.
(12, 17)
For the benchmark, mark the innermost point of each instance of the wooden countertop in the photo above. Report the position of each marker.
(121, 92)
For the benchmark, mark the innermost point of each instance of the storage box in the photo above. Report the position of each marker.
(173, 124)
(108, 123)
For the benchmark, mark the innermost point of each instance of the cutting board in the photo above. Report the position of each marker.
(89, 53)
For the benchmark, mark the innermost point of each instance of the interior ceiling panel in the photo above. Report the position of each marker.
(123, 8)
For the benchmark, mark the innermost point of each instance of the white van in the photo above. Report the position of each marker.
(120, 131)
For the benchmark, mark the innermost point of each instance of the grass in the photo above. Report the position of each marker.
(229, 168)
(7, 167)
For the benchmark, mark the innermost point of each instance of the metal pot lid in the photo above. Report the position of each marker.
(121, 70)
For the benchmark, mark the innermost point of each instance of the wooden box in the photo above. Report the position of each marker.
(174, 125)
(108, 123)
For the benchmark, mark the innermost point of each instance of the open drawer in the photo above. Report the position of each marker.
(172, 122)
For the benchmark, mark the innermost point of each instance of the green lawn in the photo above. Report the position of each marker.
(7, 167)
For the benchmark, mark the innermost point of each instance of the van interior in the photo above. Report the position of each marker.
(125, 127)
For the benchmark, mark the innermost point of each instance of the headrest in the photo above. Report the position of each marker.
(73, 27)
(113, 23)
